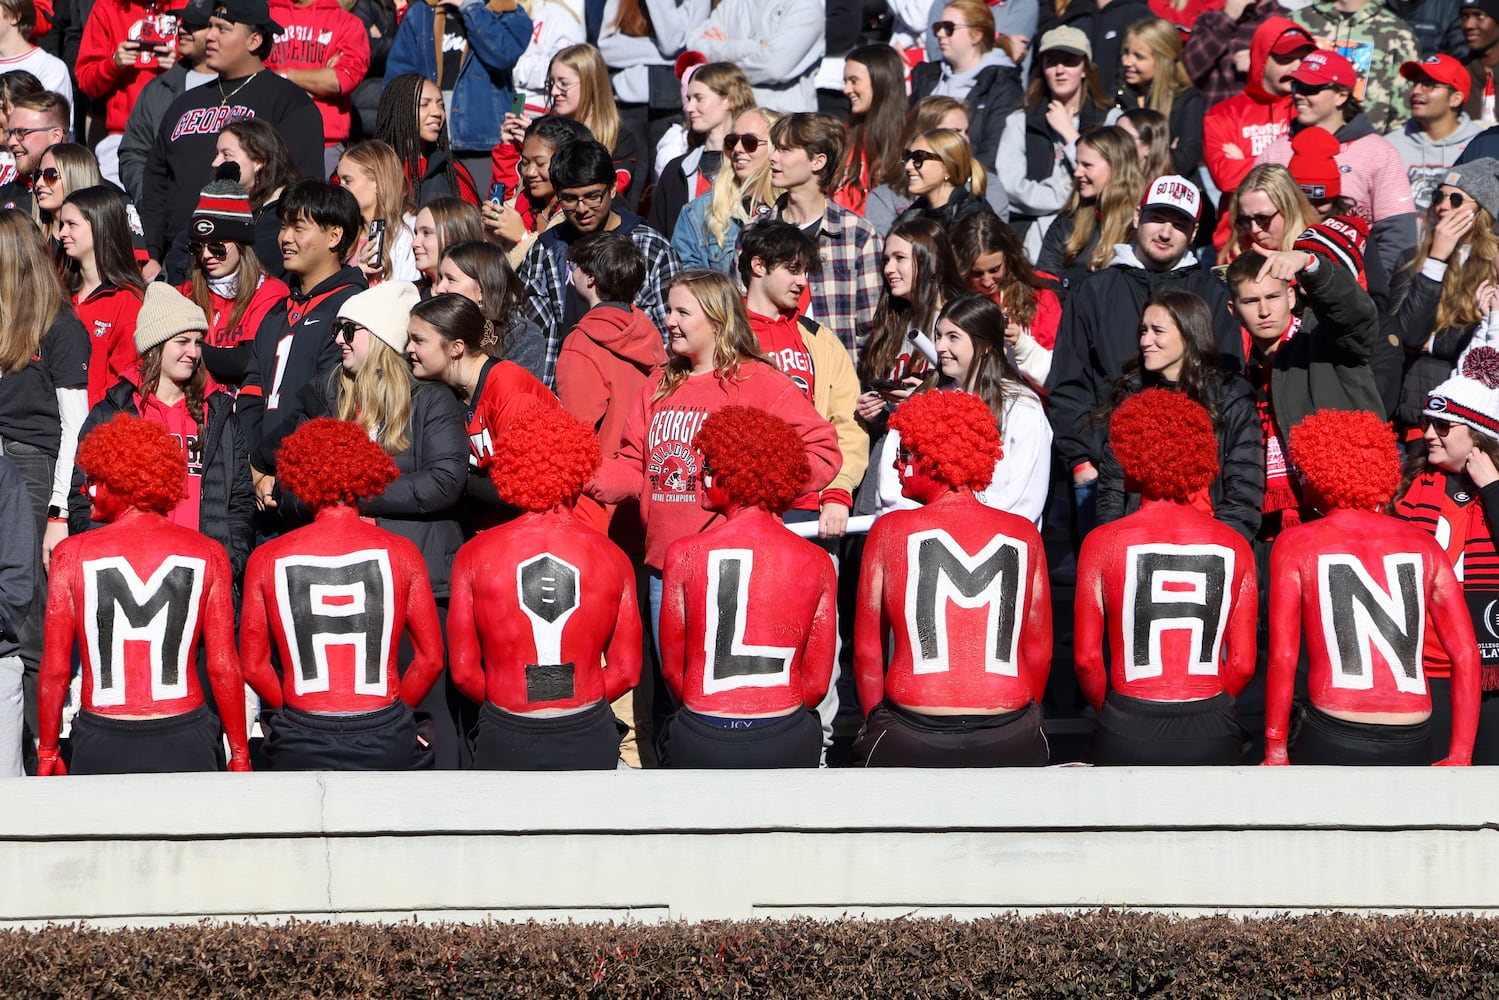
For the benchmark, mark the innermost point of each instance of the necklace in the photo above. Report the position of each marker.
(226, 97)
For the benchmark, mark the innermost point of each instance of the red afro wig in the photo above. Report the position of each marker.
(1165, 444)
(543, 458)
(951, 435)
(1348, 458)
(138, 461)
(326, 462)
(756, 458)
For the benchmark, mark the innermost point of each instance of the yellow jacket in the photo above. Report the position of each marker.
(835, 389)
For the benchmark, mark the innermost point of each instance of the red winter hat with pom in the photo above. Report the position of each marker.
(1313, 166)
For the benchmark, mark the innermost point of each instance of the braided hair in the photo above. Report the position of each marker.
(398, 122)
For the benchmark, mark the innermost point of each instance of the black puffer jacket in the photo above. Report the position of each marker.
(1431, 354)
(960, 205)
(226, 499)
(1099, 335)
(1238, 491)
(996, 92)
(422, 504)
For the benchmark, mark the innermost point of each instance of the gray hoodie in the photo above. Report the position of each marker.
(957, 85)
(1427, 160)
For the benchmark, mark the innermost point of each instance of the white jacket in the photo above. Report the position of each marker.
(778, 44)
(555, 24)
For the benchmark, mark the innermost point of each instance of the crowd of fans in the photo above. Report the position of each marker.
(716, 232)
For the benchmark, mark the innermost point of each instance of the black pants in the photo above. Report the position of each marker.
(584, 741)
(187, 742)
(36, 468)
(692, 740)
(1486, 746)
(383, 740)
(1135, 732)
(894, 737)
(1323, 739)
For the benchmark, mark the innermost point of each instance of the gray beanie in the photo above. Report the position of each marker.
(1479, 178)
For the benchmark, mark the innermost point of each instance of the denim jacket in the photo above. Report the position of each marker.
(483, 91)
(696, 246)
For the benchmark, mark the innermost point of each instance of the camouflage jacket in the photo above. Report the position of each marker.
(1376, 42)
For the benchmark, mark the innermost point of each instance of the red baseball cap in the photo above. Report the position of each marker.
(1322, 67)
(1443, 69)
(1293, 40)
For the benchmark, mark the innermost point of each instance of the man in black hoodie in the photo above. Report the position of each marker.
(1100, 329)
(320, 224)
(239, 38)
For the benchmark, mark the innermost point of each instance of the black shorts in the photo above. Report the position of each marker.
(895, 737)
(191, 741)
(688, 739)
(1136, 732)
(584, 741)
(1320, 738)
(383, 740)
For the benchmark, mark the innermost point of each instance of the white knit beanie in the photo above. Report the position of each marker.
(1471, 395)
(384, 311)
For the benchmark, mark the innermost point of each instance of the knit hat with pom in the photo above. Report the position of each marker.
(1472, 395)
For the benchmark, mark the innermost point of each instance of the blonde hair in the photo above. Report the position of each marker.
(596, 107)
(1171, 79)
(958, 163)
(378, 396)
(734, 341)
(1115, 204)
(729, 201)
(729, 82)
(393, 201)
(79, 169)
(1276, 183)
(31, 293)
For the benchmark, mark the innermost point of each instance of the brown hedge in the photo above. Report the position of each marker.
(1100, 954)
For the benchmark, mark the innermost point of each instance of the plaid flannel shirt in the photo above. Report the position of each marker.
(545, 270)
(844, 295)
(1209, 53)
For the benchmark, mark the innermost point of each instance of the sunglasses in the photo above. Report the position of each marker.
(920, 157)
(216, 249)
(1308, 89)
(941, 28)
(344, 330)
(1454, 198)
(1439, 425)
(49, 174)
(1261, 221)
(749, 142)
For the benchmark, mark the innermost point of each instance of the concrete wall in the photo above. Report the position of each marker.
(656, 845)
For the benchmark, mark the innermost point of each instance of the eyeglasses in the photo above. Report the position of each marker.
(1439, 425)
(561, 85)
(22, 133)
(1260, 221)
(49, 174)
(588, 199)
(947, 27)
(749, 142)
(216, 249)
(920, 157)
(344, 330)
(1308, 89)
